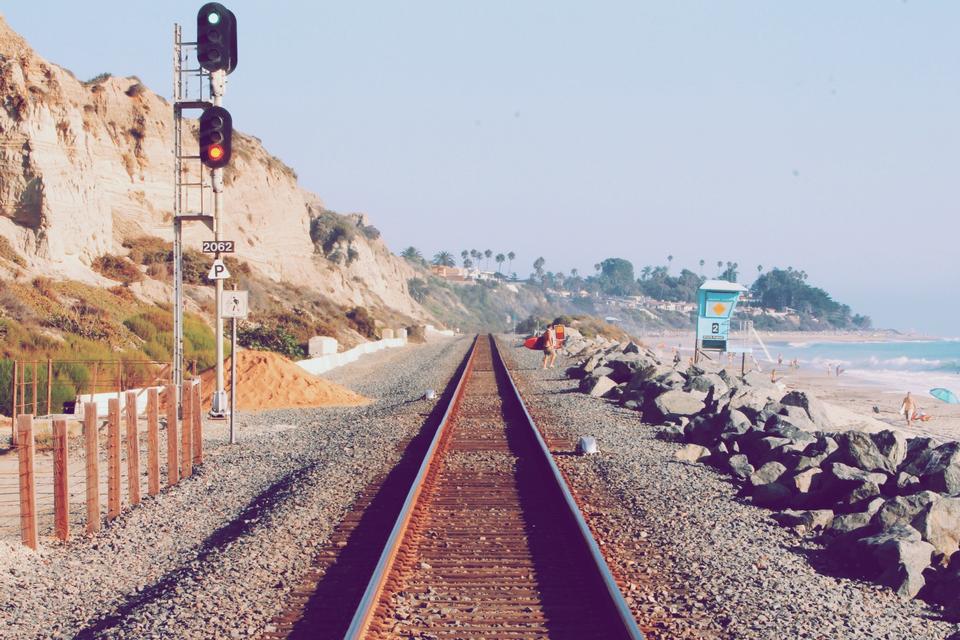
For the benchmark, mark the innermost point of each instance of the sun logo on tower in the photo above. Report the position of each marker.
(719, 309)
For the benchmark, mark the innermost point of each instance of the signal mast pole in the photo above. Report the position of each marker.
(218, 81)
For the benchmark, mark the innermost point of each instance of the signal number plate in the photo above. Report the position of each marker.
(222, 246)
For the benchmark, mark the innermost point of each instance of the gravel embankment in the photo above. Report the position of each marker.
(698, 562)
(216, 556)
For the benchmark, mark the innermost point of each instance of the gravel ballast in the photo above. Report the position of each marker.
(216, 556)
(695, 560)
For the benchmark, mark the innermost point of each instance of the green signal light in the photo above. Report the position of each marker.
(213, 17)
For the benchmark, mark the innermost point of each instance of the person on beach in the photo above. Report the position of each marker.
(779, 359)
(549, 347)
(908, 407)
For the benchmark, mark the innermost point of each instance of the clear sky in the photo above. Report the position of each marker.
(821, 135)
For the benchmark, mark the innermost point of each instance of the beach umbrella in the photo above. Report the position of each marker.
(946, 395)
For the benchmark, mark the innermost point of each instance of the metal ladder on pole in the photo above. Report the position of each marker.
(191, 184)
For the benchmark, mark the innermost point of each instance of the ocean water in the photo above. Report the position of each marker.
(914, 365)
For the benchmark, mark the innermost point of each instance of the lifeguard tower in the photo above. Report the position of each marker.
(717, 300)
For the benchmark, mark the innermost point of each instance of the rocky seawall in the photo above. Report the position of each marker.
(883, 504)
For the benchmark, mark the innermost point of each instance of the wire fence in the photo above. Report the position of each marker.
(29, 475)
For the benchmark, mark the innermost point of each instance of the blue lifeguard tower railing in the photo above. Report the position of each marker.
(716, 301)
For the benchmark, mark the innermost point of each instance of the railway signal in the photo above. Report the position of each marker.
(216, 131)
(216, 38)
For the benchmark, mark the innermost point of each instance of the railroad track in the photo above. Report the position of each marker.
(488, 543)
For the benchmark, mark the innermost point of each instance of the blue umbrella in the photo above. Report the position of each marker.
(946, 395)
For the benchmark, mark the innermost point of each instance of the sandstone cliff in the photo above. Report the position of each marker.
(85, 166)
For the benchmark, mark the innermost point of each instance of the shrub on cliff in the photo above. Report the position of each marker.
(117, 268)
(363, 322)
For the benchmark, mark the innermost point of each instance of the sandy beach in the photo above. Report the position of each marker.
(848, 391)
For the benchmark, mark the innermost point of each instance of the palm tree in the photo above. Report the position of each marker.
(412, 254)
(538, 266)
(702, 262)
(464, 254)
(720, 265)
(597, 267)
(669, 262)
(467, 263)
(510, 257)
(488, 254)
(444, 259)
(500, 260)
(645, 272)
(759, 269)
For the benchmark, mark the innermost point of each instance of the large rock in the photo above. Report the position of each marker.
(788, 427)
(812, 405)
(772, 496)
(633, 347)
(735, 421)
(906, 483)
(759, 380)
(803, 522)
(898, 557)
(847, 488)
(893, 446)
(624, 366)
(708, 382)
(939, 524)
(917, 449)
(740, 466)
(796, 418)
(804, 481)
(848, 522)
(825, 445)
(691, 453)
(593, 362)
(672, 405)
(904, 510)
(859, 450)
(939, 468)
(766, 474)
(750, 402)
(766, 448)
(600, 387)
(705, 430)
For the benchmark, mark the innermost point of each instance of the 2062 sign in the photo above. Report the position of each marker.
(217, 246)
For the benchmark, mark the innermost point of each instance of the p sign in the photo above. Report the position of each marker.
(218, 271)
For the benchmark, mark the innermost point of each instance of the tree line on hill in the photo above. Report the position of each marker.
(782, 290)
(470, 259)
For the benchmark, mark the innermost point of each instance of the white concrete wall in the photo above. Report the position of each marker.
(432, 330)
(322, 364)
(102, 400)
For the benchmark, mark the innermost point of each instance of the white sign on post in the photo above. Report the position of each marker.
(233, 304)
(218, 271)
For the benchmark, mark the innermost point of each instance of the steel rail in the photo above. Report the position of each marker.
(368, 603)
(616, 596)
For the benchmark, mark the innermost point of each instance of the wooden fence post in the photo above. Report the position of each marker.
(49, 387)
(197, 425)
(28, 487)
(113, 458)
(153, 441)
(61, 496)
(186, 431)
(36, 401)
(133, 450)
(13, 412)
(173, 443)
(91, 440)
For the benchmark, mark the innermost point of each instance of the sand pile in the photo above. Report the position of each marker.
(270, 381)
